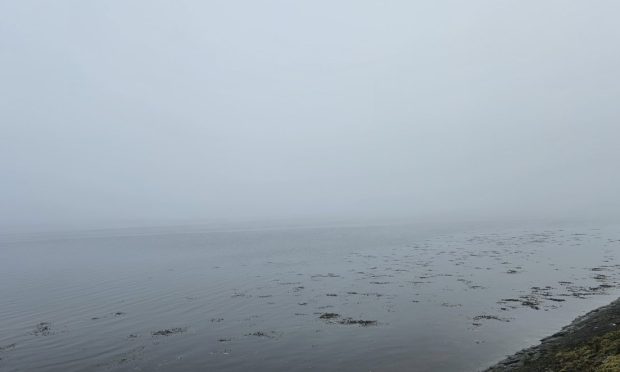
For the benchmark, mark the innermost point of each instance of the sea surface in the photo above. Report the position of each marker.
(344, 298)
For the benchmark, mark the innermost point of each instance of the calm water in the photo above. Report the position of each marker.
(252, 300)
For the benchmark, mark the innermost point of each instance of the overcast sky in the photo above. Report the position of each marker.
(189, 110)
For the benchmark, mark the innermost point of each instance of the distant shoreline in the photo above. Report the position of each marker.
(590, 343)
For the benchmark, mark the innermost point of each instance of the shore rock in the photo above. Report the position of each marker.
(590, 343)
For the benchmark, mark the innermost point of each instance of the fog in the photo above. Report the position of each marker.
(163, 111)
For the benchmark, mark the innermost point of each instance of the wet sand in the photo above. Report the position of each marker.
(590, 343)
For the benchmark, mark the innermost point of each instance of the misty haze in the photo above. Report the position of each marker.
(309, 185)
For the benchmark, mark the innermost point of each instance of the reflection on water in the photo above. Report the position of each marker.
(373, 298)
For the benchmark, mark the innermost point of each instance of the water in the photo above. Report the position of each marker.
(443, 300)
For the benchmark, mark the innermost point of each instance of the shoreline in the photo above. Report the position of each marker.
(590, 343)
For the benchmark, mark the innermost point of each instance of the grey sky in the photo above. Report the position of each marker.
(180, 110)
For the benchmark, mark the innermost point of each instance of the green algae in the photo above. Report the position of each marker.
(601, 354)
